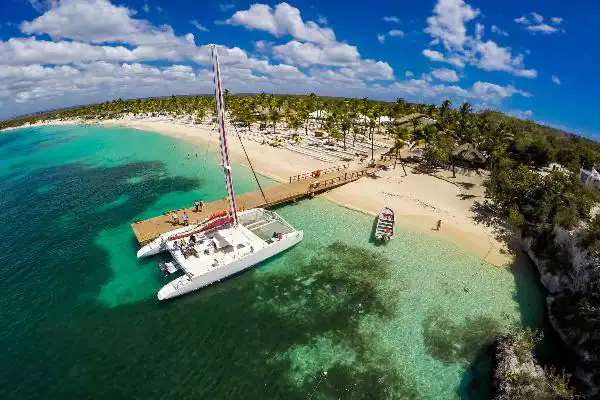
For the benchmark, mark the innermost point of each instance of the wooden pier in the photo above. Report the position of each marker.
(299, 187)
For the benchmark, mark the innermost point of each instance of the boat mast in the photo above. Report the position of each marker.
(222, 135)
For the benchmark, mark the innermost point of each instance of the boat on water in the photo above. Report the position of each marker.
(385, 224)
(226, 242)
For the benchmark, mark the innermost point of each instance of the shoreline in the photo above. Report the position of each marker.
(419, 200)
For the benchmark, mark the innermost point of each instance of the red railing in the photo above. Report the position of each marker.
(308, 175)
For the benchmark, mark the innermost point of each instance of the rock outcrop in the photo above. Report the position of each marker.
(572, 279)
(517, 374)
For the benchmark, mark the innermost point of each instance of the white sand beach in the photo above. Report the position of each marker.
(418, 199)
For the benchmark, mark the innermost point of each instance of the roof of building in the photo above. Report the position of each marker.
(409, 117)
(469, 152)
(319, 114)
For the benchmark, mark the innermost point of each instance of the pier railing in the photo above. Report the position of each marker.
(308, 175)
(321, 185)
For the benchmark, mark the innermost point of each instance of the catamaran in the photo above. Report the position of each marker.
(226, 242)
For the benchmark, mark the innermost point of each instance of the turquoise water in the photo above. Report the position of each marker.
(337, 316)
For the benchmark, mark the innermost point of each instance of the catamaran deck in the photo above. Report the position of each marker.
(299, 187)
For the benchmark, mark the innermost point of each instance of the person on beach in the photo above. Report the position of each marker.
(201, 205)
(196, 204)
(438, 225)
(175, 218)
(185, 219)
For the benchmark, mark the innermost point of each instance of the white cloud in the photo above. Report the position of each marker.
(492, 92)
(98, 50)
(99, 21)
(322, 20)
(226, 6)
(522, 20)
(392, 18)
(479, 28)
(263, 46)
(393, 33)
(305, 54)
(146, 8)
(433, 55)
(555, 79)
(199, 26)
(544, 28)
(523, 114)
(537, 17)
(448, 23)
(499, 31)
(369, 70)
(492, 57)
(483, 92)
(445, 74)
(282, 20)
(537, 24)
(159, 9)
(448, 26)
(24, 51)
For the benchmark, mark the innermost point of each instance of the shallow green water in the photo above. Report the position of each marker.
(406, 320)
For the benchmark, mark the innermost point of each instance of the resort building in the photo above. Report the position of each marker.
(319, 115)
(590, 179)
(468, 156)
(421, 119)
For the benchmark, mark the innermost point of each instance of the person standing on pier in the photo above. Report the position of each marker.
(185, 219)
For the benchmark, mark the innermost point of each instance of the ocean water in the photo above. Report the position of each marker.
(338, 316)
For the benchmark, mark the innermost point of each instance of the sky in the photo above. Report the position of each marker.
(533, 59)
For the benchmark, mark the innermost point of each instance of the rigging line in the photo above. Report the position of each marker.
(250, 163)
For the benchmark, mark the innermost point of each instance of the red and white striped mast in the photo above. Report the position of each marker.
(222, 135)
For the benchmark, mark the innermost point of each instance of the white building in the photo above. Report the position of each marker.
(319, 114)
(590, 179)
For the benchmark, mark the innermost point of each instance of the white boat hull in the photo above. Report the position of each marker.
(184, 284)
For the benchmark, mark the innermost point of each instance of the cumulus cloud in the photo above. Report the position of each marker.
(555, 80)
(100, 51)
(226, 6)
(445, 74)
(447, 26)
(281, 20)
(199, 26)
(433, 55)
(392, 18)
(537, 24)
(305, 54)
(479, 91)
(495, 29)
(392, 33)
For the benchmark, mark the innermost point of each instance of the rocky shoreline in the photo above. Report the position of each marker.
(572, 279)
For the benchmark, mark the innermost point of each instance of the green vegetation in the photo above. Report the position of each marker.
(514, 151)
(518, 376)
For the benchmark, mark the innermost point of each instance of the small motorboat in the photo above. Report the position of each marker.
(385, 224)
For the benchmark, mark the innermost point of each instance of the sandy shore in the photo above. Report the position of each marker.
(419, 200)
